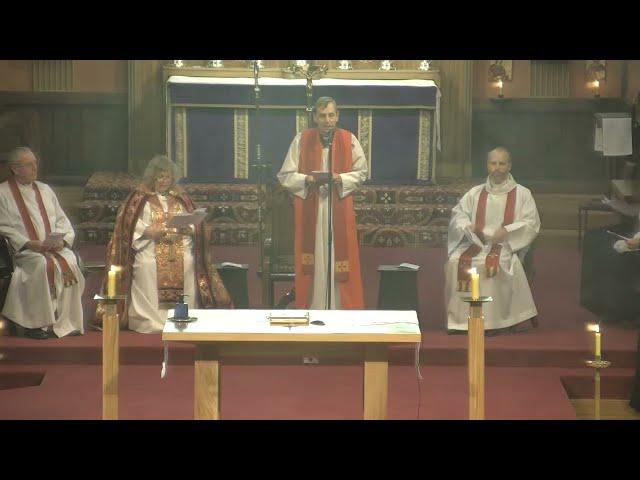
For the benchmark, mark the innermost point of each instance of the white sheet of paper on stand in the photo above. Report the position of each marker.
(616, 137)
(185, 219)
(409, 266)
(230, 264)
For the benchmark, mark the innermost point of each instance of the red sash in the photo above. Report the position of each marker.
(68, 276)
(493, 257)
(310, 160)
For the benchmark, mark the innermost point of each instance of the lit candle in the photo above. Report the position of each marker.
(475, 284)
(111, 281)
(500, 88)
(596, 329)
(596, 85)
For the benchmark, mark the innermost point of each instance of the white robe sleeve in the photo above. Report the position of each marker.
(352, 180)
(15, 237)
(461, 223)
(144, 221)
(289, 176)
(524, 231)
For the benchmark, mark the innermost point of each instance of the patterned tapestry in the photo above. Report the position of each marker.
(387, 216)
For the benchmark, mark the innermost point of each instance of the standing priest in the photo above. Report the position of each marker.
(489, 227)
(309, 152)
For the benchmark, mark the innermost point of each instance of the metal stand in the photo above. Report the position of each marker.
(263, 174)
(110, 355)
(476, 356)
(597, 364)
(329, 226)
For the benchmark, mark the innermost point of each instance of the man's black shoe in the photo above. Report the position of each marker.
(456, 332)
(75, 333)
(35, 333)
(494, 332)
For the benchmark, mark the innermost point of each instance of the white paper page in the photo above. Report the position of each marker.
(598, 140)
(52, 239)
(616, 136)
(186, 219)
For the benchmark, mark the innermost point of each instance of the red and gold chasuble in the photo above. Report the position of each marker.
(492, 262)
(169, 252)
(169, 256)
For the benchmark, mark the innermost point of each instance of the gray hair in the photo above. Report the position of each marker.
(322, 102)
(159, 163)
(501, 150)
(13, 158)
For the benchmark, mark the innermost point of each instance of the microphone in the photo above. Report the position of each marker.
(327, 137)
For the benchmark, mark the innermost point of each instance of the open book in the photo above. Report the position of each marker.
(52, 239)
(320, 176)
(623, 208)
(185, 219)
(231, 265)
(409, 266)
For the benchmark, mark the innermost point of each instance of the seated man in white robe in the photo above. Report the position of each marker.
(490, 227)
(46, 286)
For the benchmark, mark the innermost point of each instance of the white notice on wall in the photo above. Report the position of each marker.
(598, 143)
(616, 136)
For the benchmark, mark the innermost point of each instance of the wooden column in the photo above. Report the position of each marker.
(110, 363)
(376, 382)
(207, 379)
(146, 113)
(476, 363)
(455, 118)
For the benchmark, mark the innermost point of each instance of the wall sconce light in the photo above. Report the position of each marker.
(596, 88)
(500, 71)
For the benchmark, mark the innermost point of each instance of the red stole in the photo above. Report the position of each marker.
(310, 160)
(492, 261)
(68, 276)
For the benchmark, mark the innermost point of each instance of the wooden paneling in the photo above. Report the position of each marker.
(147, 123)
(549, 139)
(74, 135)
(100, 76)
(52, 75)
(549, 79)
(457, 76)
(16, 75)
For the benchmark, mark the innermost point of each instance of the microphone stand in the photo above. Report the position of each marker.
(260, 169)
(330, 223)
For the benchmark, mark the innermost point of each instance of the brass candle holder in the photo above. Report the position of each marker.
(476, 356)
(110, 355)
(597, 364)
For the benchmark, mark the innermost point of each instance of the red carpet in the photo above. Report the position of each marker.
(529, 375)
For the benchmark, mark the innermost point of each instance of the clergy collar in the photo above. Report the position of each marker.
(502, 188)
